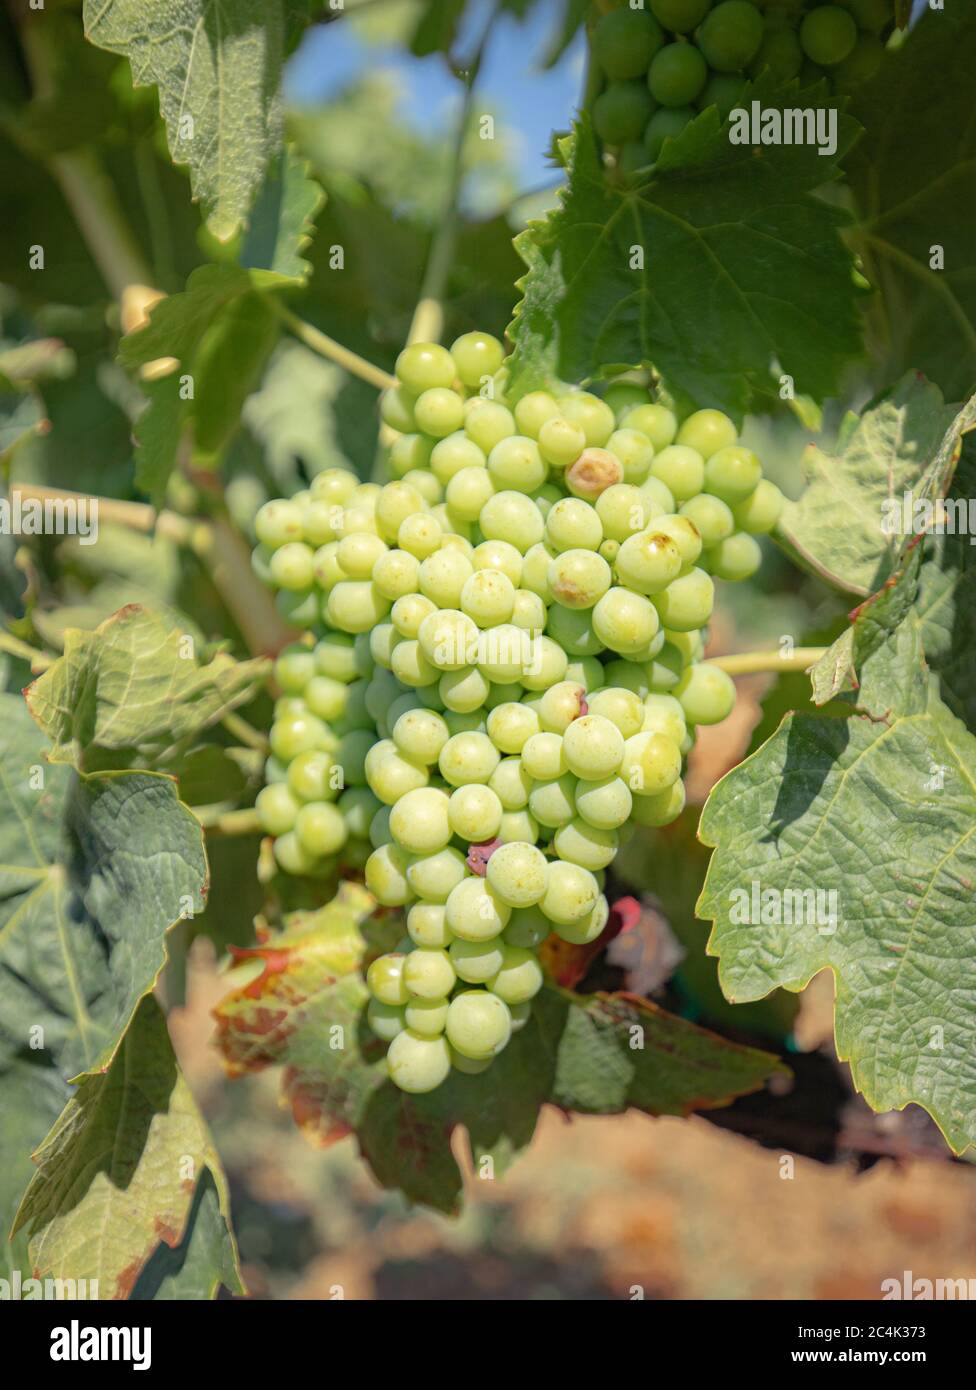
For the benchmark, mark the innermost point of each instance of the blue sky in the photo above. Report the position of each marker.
(527, 99)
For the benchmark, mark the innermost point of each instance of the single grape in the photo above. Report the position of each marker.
(475, 912)
(511, 784)
(512, 517)
(663, 714)
(711, 516)
(651, 762)
(574, 631)
(681, 469)
(277, 809)
(579, 578)
(573, 524)
(736, 558)
(528, 927)
(724, 91)
(625, 41)
(604, 802)
(384, 980)
(780, 52)
(476, 962)
(468, 492)
(733, 474)
(442, 576)
(533, 410)
(321, 829)
(676, 76)
(624, 621)
(518, 825)
(680, 16)
(386, 1020)
(593, 747)
(510, 725)
(730, 35)
(427, 925)
(593, 472)
(687, 602)
(649, 561)
(665, 124)
(419, 820)
(464, 691)
(660, 809)
(656, 421)
(519, 977)
(622, 707)
(278, 523)
(707, 431)
(588, 928)
(517, 874)
(584, 410)
(706, 694)
(543, 758)
(477, 357)
(475, 812)
(479, 1023)
(487, 423)
(828, 35)
(386, 875)
(560, 705)
(424, 366)
(560, 442)
(553, 803)
(433, 877)
(428, 1017)
(635, 452)
(571, 893)
(418, 1064)
(581, 843)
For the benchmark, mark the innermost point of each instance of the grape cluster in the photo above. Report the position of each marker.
(665, 62)
(507, 676)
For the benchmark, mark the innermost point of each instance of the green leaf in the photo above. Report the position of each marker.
(118, 1175)
(218, 71)
(723, 230)
(34, 1094)
(847, 526)
(598, 1055)
(911, 176)
(876, 804)
(283, 220)
(132, 690)
(947, 594)
(95, 870)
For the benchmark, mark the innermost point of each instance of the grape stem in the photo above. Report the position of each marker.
(752, 663)
(216, 821)
(246, 733)
(39, 661)
(325, 346)
(427, 325)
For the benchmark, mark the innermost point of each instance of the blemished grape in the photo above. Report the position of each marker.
(502, 667)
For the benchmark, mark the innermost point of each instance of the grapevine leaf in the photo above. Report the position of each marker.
(95, 871)
(131, 690)
(911, 177)
(875, 804)
(283, 221)
(848, 525)
(218, 71)
(738, 268)
(34, 1094)
(118, 1174)
(597, 1055)
(947, 594)
(212, 340)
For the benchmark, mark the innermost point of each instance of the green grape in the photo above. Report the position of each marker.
(733, 474)
(439, 412)
(427, 925)
(586, 411)
(622, 511)
(730, 35)
(513, 516)
(828, 35)
(561, 442)
(476, 357)
(625, 621)
(517, 874)
(529, 613)
(488, 598)
(543, 758)
(419, 820)
(711, 516)
(434, 877)
(327, 698)
(707, 431)
(356, 605)
(574, 631)
(396, 410)
(475, 912)
(409, 613)
(621, 112)
(623, 396)
(505, 653)
(685, 535)
(386, 1020)
(780, 52)
(656, 421)
(475, 962)
(428, 973)
(420, 734)
(736, 558)
(533, 410)
(518, 825)
(578, 578)
(294, 668)
(501, 693)
(278, 523)
(358, 806)
(663, 714)
(680, 16)
(519, 977)
(687, 602)
(870, 15)
(528, 928)
(706, 694)
(292, 566)
(586, 671)
(676, 76)
(510, 725)
(428, 1017)
(571, 893)
(487, 423)
(662, 808)
(296, 734)
(379, 827)
(515, 463)
(449, 638)
(511, 784)
(588, 928)
(452, 453)
(425, 366)
(292, 856)
(625, 41)
(593, 472)
(468, 758)
(473, 723)
(327, 569)
(418, 1064)
(535, 571)
(761, 510)
(394, 504)
(573, 524)
(351, 755)
(586, 845)
(560, 705)
(499, 555)
(622, 707)
(475, 813)
(409, 453)
(276, 808)
(604, 803)
(321, 829)
(464, 691)
(390, 775)
(593, 747)
(649, 561)
(385, 982)
(420, 535)
(681, 469)
(664, 125)
(553, 803)
(357, 554)
(724, 91)
(635, 452)
(651, 762)
(410, 666)
(479, 1024)
(299, 609)
(442, 577)
(334, 486)
(468, 492)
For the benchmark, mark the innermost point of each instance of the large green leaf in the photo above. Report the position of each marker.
(95, 869)
(912, 176)
(947, 595)
(132, 690)
(598, 1055)
(34, 1093)
(283, 220)
(118, 1175)
(722, 229)
(218, 71)
(848, 525)
(874, 803)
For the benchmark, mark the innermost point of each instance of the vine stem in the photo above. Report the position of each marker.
(752, 663)
(39, 661)
(325, 346)
(219, 822)
(427, 325)
(241, 729)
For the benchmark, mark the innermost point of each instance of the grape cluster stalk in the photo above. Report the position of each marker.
(665, 62)
(502, 675)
